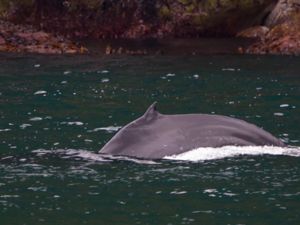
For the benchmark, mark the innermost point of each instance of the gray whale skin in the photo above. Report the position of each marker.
(155, 135)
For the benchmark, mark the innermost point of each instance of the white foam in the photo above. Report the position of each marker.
(202, 154)
(36, 119)
(40, 92)
(67, 72)
(109, 129)
(104, 80)
(5, 130)
(171, 75)
(76, 123)
(24, 125)
(284, 105)
(231, 69)
(103, 71)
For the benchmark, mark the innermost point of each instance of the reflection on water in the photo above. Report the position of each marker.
(58, 111)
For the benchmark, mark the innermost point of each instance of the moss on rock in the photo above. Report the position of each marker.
(165, 13)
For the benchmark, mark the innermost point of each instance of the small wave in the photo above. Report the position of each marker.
(203, 154)
(199, 154)
(231, 69)
(5, 130)
(89, 156)
(104, 80)
(24, 125)
(40, 92)
(76, 123)
(109, 129)
(36, 119)
(71, 153)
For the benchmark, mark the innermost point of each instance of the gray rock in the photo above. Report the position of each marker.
(40, 36)
(282, 12)
(258, 32)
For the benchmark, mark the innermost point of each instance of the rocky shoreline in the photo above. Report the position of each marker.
(25, 38)
(283, 39)
(54, 24)
(281, 33)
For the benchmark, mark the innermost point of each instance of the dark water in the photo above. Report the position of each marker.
(57, 111)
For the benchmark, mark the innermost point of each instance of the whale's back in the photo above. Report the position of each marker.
(155, 135)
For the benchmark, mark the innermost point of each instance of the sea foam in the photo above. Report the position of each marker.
(202, 154)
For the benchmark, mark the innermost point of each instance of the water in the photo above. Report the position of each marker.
(58, 111)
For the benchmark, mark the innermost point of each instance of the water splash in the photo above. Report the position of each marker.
(89, 156)
(40, 92)
(195, 155)
(109, 129)
(203, 154)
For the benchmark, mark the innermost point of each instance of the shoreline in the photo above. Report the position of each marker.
(283, 39)
(25, 38)
(170, 46)
(52, 27)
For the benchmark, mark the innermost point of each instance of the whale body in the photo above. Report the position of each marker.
(155, 135)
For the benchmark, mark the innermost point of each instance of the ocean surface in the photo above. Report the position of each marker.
(56, 112)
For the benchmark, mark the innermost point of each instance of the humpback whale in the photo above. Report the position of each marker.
(155, 135)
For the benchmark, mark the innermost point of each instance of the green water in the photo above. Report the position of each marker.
(56, 112)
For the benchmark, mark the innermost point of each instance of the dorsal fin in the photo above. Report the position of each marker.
(151, 112)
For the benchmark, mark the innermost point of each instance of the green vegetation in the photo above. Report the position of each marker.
(165, 13)
(118, 17)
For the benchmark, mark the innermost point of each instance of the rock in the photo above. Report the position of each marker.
(211, 17)
(83, 50)
(42, 49)
(2, 41)
(24, 35)
(40, 36)
(110, 19)
(282, 12)
(120, 50)
(70, 51)
(258, 32)
(23, 38)
(108, 50)
(283, 38)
